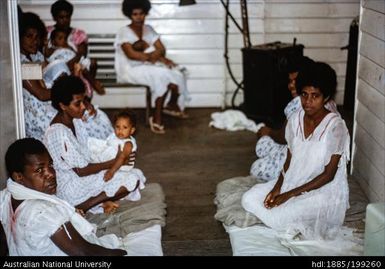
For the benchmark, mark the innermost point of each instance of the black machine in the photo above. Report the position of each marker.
(265, 78)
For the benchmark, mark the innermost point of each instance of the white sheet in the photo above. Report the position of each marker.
(259, 240)
(147, 242)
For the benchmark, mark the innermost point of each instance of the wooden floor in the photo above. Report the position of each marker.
(189, 161)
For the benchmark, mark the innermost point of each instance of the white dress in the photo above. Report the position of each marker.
(66, 54)
(68, 152)
(272, 155)
(105, 150)
(36, 219)
(318, 213)
(37, 114)
(157, 76)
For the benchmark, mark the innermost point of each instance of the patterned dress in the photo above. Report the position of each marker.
(318, 213)
(68, 152)
(37, 114)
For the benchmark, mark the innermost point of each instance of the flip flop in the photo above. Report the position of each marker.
(176, 114)
(156, 128)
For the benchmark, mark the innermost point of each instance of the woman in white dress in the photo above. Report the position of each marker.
(35, 221)
(310, 196)
(271, 146)
(150, 67)
(80, 182)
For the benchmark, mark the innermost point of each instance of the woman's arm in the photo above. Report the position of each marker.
(133, 54)
(119, 161)
(94, 168)
(82, 49)
(278, 135)
(325, 177)
(74, 244)
(38, 89)
(159, 53)
(269, 201)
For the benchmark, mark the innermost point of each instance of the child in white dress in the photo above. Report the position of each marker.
(122, 139)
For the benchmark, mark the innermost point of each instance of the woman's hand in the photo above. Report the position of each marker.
(270, 198)
(80, 211)
(263, 131)
(279, 199)
(170, 64)
(108, 175)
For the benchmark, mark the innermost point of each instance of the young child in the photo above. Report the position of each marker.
(121, 140)
(61, 49)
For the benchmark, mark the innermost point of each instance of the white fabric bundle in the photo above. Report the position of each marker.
(233, 120)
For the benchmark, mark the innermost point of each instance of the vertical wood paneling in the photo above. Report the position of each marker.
(369, 148)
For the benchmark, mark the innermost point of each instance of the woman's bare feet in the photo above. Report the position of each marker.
(98, 87)
(110, 207)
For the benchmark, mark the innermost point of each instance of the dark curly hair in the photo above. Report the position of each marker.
(129, 5)
(17, 152)
(61, 5)
(29, 20)
(127, 114)
(63, 90)
(295, 63)
(319, 75)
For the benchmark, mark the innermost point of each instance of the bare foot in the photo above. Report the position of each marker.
(110, 207)
(98, 86)
(80, 211)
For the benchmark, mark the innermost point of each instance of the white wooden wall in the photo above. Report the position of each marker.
(369, 133)
(194, 35)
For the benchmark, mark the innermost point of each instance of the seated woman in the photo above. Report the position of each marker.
(36, 222)
(146, 63)
(271, 146)
(310, 196)
(80, 182)
(38, 111)
(61, 12)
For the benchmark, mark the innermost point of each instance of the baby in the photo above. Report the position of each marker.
(121, 140)
(62, 50)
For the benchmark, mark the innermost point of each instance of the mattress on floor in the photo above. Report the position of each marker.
(249, 237)
(138, 223)
(147, 242)
(259, 240)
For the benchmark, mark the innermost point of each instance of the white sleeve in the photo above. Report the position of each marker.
(290, 129)
(63, 150)
(43, 220)
(125, 35)
(337, 140)
(151, 35)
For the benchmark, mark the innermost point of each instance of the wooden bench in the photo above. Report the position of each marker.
(118, 95)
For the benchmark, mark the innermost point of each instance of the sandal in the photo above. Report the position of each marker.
(176, 114)
(156, 128)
